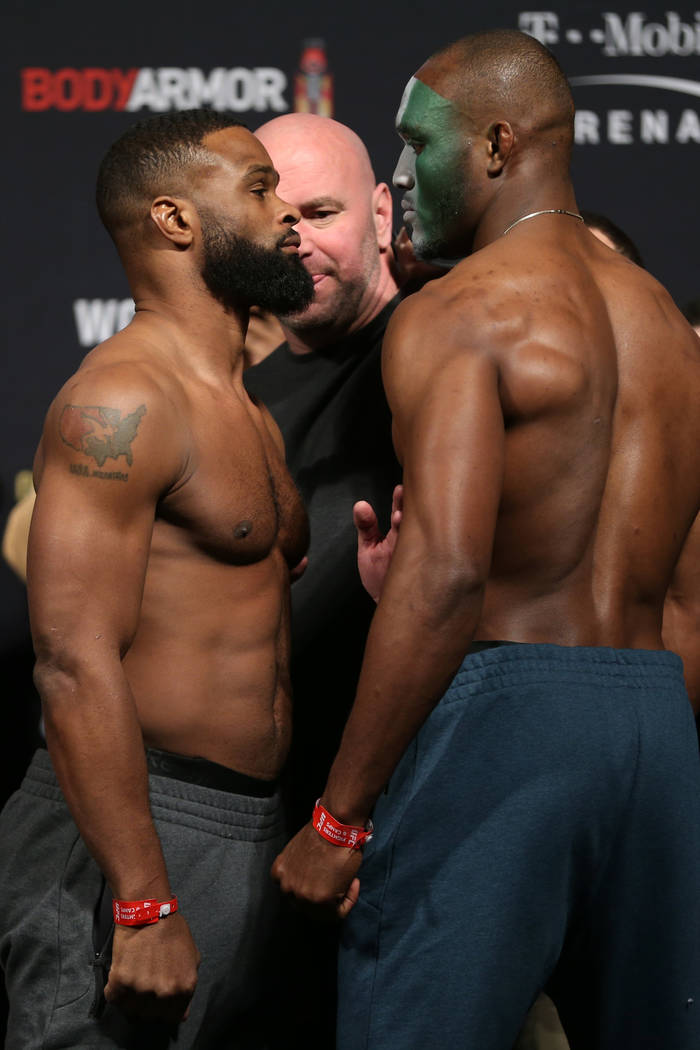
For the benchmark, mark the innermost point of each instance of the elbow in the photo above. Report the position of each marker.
(453, 587)
(63, 665)
(54, 677)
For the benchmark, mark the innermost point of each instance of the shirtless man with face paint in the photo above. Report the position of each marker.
(523, 743)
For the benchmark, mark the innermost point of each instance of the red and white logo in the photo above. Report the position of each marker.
(158, 90)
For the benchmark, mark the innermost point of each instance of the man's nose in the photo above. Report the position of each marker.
(404, 176)
(306, 232)
(290, 215)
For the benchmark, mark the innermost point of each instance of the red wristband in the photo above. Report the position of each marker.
(142, 913)
(340, 834)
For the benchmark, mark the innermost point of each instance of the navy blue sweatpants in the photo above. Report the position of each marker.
(543, 829)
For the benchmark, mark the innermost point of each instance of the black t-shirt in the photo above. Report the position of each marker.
(331, 409)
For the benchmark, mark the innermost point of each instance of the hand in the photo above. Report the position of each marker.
(374, 551)
(154, 970)
(319, 873)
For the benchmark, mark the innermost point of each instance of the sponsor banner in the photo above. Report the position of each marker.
(155, 90)
(624, 127)
(632, 34)
(665, 114)
(99, 319)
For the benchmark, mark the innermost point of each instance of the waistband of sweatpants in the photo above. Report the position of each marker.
(224, 813)
(510, 664)
(195, 770)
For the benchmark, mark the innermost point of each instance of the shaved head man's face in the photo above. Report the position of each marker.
(325, 176)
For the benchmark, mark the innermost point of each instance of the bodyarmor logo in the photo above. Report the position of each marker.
(157, 90)
(632, 34)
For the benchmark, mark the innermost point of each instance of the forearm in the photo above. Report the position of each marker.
(96, 747)
(419, 636)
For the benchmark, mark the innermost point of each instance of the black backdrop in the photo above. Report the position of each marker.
(77, 73)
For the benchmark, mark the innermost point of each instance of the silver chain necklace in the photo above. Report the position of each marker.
(547, 211)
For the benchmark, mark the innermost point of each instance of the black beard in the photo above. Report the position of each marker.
(239, 272)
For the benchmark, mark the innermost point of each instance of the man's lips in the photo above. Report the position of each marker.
(409, 210)
(291, 242)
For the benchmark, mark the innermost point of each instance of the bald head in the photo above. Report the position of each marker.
(488, 130)
(312, 137)
(507, 75)
(345, 229)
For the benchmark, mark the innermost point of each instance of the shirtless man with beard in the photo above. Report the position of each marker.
(165, 529)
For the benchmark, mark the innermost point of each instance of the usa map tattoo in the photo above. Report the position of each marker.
(101, 433)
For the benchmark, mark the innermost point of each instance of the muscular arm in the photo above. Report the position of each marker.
(681, 623)
(450, 434)
(449, 427)
(101, 468)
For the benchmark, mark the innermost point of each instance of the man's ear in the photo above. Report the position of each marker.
(382, 211)
(500, 139)
(174, 218)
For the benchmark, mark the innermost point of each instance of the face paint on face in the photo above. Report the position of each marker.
(431, 169)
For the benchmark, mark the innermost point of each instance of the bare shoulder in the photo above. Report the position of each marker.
(116, 417)
(651, 333)
(447, 314)
(475, 311)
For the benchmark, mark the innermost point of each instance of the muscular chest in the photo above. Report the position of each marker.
(237, 501)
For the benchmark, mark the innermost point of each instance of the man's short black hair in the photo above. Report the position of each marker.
(623, 244)
(154, 156)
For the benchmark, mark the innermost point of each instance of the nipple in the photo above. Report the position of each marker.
(243, 529)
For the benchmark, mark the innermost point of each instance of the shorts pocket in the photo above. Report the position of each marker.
(357, 965)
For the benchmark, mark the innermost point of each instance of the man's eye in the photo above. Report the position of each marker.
(323, 214)
(260, 190)
(415, 144)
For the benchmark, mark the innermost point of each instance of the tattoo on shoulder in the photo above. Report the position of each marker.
(102, 434)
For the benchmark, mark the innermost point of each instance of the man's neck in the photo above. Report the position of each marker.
(538, 194)
(207, 336)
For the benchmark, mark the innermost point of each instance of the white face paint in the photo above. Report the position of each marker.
(404, 100)
(405, 172)
(427, 108)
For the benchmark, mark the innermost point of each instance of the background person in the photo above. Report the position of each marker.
(323, 387)
(611, 234)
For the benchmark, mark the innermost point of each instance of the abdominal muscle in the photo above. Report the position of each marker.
(208, 666)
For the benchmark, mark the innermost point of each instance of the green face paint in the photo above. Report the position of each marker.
(430, 169)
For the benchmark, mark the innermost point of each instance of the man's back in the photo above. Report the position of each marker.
(526, 796)
(590, 377)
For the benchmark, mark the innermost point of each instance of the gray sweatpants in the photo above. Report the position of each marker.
(218, 848)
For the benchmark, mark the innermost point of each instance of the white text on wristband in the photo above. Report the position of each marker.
(340, 834)
(142, 913)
